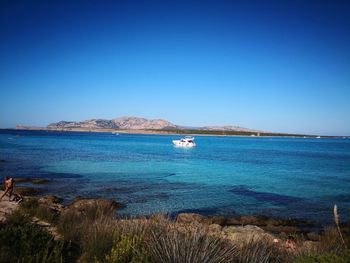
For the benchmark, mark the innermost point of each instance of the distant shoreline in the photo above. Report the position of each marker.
(177, 132)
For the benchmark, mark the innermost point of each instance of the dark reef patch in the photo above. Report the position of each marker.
(59, 175)
(149, 197)
(120, 190)
(33, 180)
(265, 196)
(168, 175)
(339, 198)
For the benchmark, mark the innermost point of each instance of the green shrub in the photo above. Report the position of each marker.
(128, 248)
(52, 253)
(20, 241)
(17, 218)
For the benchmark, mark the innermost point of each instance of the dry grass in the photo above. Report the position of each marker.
(337, 224)
(256, 251)
(330, 241)
(100, 237)
(170, 242)
(32, 207)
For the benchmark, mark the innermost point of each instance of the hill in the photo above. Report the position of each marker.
(136, 123)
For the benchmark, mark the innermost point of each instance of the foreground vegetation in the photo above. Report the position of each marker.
(94, 234)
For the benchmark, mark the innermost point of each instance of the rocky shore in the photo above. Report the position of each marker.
(236, 229)
(90, 230)
(229, 227)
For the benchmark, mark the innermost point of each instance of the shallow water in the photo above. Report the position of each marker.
(284, 177)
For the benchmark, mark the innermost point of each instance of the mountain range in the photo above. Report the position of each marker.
(136, 123)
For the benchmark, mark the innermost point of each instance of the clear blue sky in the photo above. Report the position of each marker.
(280, 66)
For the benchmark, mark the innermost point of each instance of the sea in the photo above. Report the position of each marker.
(284, 177)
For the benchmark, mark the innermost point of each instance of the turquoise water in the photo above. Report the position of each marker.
(285, 177)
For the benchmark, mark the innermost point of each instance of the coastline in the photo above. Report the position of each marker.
(215, 133)
(270, 225)
(246, 226)
(32, 188)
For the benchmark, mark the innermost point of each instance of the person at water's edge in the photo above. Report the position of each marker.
(9, 184)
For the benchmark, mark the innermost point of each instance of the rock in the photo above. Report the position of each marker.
(50, 199)
(253, 220)
(190, 218)
(274, 222)
(220, 220)
(6, 207)
(296, 223)
(52, 202)
(80, 204)
(233, 221)
(282, 229)
(241, 234)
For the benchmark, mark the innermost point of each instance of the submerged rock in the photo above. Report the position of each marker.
(32, 180)
(27, 191)
(40, 181)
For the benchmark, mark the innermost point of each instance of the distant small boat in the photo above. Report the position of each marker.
(318, 137)
(115, 133)
(187, 142)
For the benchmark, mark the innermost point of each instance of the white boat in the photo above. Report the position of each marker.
(187, 141)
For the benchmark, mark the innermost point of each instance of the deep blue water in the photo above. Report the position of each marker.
(284, 177)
